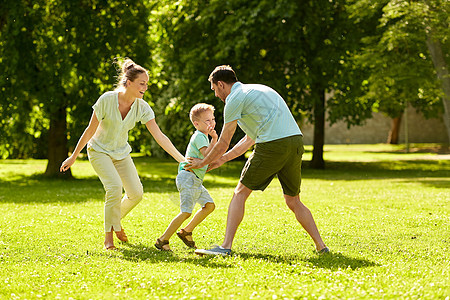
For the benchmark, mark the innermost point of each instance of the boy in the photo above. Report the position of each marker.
(189, 183)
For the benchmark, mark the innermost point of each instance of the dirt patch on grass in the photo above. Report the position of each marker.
(442, 149)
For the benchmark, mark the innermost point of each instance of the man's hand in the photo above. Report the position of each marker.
(194, 163)
(215, 165)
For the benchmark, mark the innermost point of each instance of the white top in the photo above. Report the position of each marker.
(111, 136)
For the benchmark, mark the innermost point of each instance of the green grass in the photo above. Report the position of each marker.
(384, 214)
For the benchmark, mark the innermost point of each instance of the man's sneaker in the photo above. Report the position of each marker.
(214, 251)
(324, 251)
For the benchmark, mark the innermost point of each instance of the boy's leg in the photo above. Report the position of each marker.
(198, 218)
(208, 206)
(173, 226)
(236, 211)
(305, 218)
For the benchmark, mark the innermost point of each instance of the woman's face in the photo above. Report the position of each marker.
(138, 87)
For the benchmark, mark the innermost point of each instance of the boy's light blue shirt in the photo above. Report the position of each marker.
(261, 112)
(198, 141)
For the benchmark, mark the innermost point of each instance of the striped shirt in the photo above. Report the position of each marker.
(261, 112)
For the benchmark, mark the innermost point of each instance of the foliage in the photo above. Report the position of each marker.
(59, 54)
(363, 54)
(399, 69)
(383, 246)
(302, 49)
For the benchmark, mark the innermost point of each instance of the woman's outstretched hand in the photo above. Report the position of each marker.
(67, 163)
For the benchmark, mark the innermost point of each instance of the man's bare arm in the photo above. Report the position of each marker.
(240, 148)
(219, 149)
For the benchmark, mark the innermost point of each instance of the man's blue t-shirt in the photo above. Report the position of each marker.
(261, 112)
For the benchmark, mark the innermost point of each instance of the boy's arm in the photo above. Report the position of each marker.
(205, 150)
(218, 150)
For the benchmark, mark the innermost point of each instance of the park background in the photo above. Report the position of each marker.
(353, 72)
(336, 63)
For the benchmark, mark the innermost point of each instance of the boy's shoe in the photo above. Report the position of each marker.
(160, 245)
(218, 250)
(182, 234)
(324, 251)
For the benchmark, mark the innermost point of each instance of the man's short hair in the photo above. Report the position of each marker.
(223, 73)
(198, 109)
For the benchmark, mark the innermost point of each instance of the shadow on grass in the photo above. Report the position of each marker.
(42, 189)
(147, 253)
(379, 170)
(332, 261)
(438, 148)
(440, 184)
(159, 177)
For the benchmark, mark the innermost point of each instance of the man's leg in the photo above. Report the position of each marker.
(305, 218)
(236, 211)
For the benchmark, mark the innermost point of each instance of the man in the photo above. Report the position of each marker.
(267, 121)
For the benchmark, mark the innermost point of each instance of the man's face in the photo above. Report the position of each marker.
(219, 90)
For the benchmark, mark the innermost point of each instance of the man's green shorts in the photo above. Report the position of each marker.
(281, 157)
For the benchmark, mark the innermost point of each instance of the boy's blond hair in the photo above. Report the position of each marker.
(198, 109)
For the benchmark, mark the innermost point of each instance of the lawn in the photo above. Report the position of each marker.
(384, 214)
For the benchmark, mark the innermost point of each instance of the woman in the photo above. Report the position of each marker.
(115, 113)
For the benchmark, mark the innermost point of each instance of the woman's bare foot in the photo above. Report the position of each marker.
(110, 247)
(121, 235)
(109, 241)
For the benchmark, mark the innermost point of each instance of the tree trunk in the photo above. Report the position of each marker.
(435, 48)
(317, 161)
(57, 144)
(395, 130)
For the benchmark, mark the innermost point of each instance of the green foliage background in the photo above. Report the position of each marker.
(59, 56)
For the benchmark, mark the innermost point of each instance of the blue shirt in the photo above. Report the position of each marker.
(197, 142)
(260, 111)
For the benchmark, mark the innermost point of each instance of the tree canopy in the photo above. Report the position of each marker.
(397, 59)
(300, 49)
(346, 57)
(57, 57)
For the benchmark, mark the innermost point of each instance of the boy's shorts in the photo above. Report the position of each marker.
(282, 157)
(191, 191)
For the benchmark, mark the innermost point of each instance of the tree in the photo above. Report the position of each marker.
(300, 48)
(397, 58)
(57, 58)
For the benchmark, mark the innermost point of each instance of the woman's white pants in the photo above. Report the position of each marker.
(116, 175)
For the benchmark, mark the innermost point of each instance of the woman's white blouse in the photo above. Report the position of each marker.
(111, 136)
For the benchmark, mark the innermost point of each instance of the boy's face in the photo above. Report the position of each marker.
(205, 122)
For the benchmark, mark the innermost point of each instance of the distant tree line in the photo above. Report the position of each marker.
(348, 58)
